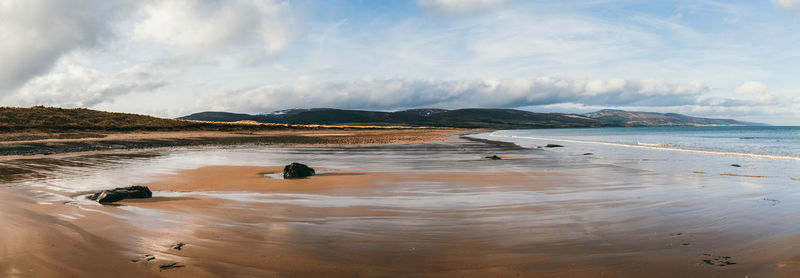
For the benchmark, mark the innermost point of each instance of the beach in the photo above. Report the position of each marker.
(408, 205)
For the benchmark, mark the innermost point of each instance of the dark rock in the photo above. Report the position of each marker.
(118, 194)
(736, 165)
(178, 246)
(553, 146)
(494, 157)
(588, 154)
(297, 170)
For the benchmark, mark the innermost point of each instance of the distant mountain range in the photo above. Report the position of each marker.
(627, 118)
(468, 118)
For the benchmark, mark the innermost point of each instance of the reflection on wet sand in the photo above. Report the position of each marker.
(427, 210)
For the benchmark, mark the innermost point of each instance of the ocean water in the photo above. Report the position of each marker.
(770, 142)
(768, 152)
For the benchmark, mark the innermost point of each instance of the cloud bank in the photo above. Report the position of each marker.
(395, 93)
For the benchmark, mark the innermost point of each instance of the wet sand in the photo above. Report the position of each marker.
(412, 210)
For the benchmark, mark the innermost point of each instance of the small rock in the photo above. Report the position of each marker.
(178, 246)
(553, 146)
(736, 165)
(118, 194)
(494, 157)
(297, 170)
(588, 154)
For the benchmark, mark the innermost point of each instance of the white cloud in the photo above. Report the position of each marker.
(209, 25)
(751, 87)
(786, 4)
(459, 6)
(755, 88)
(392, 93)
(73, 85)
(34, 34)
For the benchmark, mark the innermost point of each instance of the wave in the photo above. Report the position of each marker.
(659, 145)
(662, 147)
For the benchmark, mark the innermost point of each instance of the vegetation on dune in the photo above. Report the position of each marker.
(40, 117)
(54, 119)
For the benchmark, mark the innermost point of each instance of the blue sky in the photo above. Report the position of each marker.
(170, 58)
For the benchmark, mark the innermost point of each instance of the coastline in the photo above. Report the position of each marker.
(432, 209)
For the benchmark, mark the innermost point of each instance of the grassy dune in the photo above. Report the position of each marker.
(53, 119)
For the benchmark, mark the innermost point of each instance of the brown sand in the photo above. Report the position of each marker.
(235, 221)
(228, 237)
(35, 243)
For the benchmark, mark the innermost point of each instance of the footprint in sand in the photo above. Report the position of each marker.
(179, 246)
(719, 261)
(145, 258)
(773, 201)
(170, 266)
(679, 234)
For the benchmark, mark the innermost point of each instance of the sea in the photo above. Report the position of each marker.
(769, 152)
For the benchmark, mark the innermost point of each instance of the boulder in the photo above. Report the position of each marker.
(553, 146)
(736, 165)
(494, 157)
(588, 154)
(118, 194)
(297, 170)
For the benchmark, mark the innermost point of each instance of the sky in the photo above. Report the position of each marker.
(723, 59)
